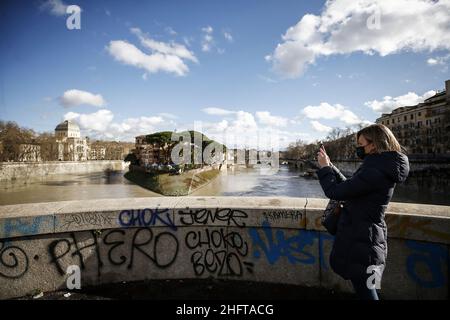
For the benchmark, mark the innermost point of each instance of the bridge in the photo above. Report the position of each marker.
(258, 239)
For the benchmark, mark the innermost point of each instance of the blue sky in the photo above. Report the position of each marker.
(236, 68)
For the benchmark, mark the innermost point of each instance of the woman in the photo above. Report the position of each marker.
(360, 245)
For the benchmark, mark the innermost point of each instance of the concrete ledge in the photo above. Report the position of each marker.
(262, 239)
(406, 221)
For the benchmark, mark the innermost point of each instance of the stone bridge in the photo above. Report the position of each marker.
(261, 239)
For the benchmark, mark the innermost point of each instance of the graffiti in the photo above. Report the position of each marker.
(14, 260)
(145, 218)
(65, 246)
(434, 257)
(218, 252)
(285, 214)
(163, 238)
(322, 238)
(86, 219)
(20, 227)
(276, 246)
(143, 242)
(206, 216)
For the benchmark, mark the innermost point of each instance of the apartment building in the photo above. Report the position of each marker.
(423, 129)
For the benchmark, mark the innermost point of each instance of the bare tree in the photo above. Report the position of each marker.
(13, 139)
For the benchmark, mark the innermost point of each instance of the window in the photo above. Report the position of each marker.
(405, 118)
(388, 122)
(420, 113)
(412, 116)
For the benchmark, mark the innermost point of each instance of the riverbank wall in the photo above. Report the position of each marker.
(10, 171)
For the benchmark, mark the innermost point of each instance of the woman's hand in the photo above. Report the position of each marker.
(323, 158)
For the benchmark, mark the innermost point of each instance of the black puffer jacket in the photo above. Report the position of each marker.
(361, 238)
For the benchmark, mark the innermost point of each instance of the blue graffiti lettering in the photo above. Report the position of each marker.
(145, 218)
(293, 248)
(19, 227)
(431, 255)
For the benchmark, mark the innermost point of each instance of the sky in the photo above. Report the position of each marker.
(247, 73)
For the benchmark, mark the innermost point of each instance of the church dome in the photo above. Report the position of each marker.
(66, 126)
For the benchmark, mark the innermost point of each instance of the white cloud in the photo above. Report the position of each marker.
(100, 125)
(328, 111)
(438, 61)
(390, 103)
(128, 54)
(97, 121)
(171, 48)
(244, 121)
(432, 61)
(76, 97)
(218, 111)
(166, 57)
(265, 118)
(208, 40)
(208, 29)
(228, 36)
(55, 7)
(342, 28)
(239, 129)
(320, 127)
(168, 115)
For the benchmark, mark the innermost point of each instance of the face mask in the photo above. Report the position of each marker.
(360, 152)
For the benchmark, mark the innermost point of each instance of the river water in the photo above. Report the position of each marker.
(239, 182)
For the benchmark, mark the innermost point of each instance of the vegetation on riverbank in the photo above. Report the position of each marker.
(172, 185)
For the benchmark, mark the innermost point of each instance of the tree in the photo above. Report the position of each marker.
(11, 138)
(132, 158)
(49, 149)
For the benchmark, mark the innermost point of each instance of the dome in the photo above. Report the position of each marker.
(66, 125)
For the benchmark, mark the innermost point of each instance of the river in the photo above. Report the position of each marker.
(239, 182)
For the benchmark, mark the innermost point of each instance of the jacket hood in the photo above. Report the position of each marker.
(395, 165)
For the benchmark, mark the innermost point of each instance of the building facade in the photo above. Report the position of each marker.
(151, 153)
(29, 152)
(70, 145)
(423, 129)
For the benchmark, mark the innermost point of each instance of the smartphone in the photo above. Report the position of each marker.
(321, 146)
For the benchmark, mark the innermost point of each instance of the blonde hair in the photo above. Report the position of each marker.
(382, 137)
